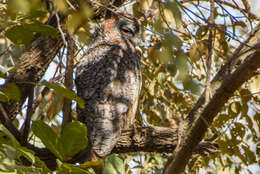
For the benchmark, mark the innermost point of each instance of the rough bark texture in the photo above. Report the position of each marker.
(31, 68)
(207, 112)
(146, 139)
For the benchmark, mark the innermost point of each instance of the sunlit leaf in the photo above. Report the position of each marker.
(47, 136)
(198, 50)
(171, 41)
(158, 26)
(258, 149)
(257, 119)
(151, 88)
(65, 92)
(239, 130)
(235, 107)
(28, 154)
(114, 165)
(16, 7)
(146, 4)
(168, 17)
(62, 5)
(74, 22)
(202, 31)
(250, 155)
(255, 85)
(83, 35)
(221, 120)
(161, 77)
(2, 75)
(73, 139)
(66, 168)
(164, 56)
(173, 6)
(172, 69)
(25, 33)
(191, 85)
(3, 97)
(12, 92)
(7, 138)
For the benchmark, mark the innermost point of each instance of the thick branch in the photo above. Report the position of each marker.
(146, 139)
(206, 112)
(33, 64)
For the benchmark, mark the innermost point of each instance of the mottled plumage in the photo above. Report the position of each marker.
(108, 78)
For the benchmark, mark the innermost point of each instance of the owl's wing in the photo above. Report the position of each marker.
(109, 85)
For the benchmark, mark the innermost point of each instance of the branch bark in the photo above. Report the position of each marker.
(146, 139)
(207, 111)
(66, 109)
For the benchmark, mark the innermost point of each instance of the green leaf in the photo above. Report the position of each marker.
(181, 62)
(66, 168)
(258, 149)
(73, 139)
(47, 136)
(250, 155)
(172, 69)
(173, 6)
(4, 71)
(151, 87)
(191, 85)
(158, 26)
(12, 92)
(164, 56)
(7, 138)
(65, 93)
(171, 40)
(24, 34)
(161, 77)
(238, 130)
(28, 154)
(114, 165)
(2, 74)
(3, 97)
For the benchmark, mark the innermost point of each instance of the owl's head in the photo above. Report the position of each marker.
(121, 27)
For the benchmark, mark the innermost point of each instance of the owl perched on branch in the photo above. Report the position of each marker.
(108, 79)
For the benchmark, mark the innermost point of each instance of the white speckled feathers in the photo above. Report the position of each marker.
(108, 79)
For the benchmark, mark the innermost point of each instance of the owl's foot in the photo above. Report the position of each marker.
(96, 165)
(93, 164)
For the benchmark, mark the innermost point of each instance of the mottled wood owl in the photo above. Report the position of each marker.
(108, 78)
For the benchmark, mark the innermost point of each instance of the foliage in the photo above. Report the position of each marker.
(174, 71)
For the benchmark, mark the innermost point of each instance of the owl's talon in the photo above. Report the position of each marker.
(94, 164)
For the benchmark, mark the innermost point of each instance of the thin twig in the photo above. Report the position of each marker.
(26, 125)
(210, 51)
(60, 30)
(67, 117)
(237, 53)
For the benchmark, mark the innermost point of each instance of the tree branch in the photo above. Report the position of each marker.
(26, 125)
(146, 139)
(222, 91)
(66, 109)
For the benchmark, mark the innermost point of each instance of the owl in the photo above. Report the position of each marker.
(108, 79)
